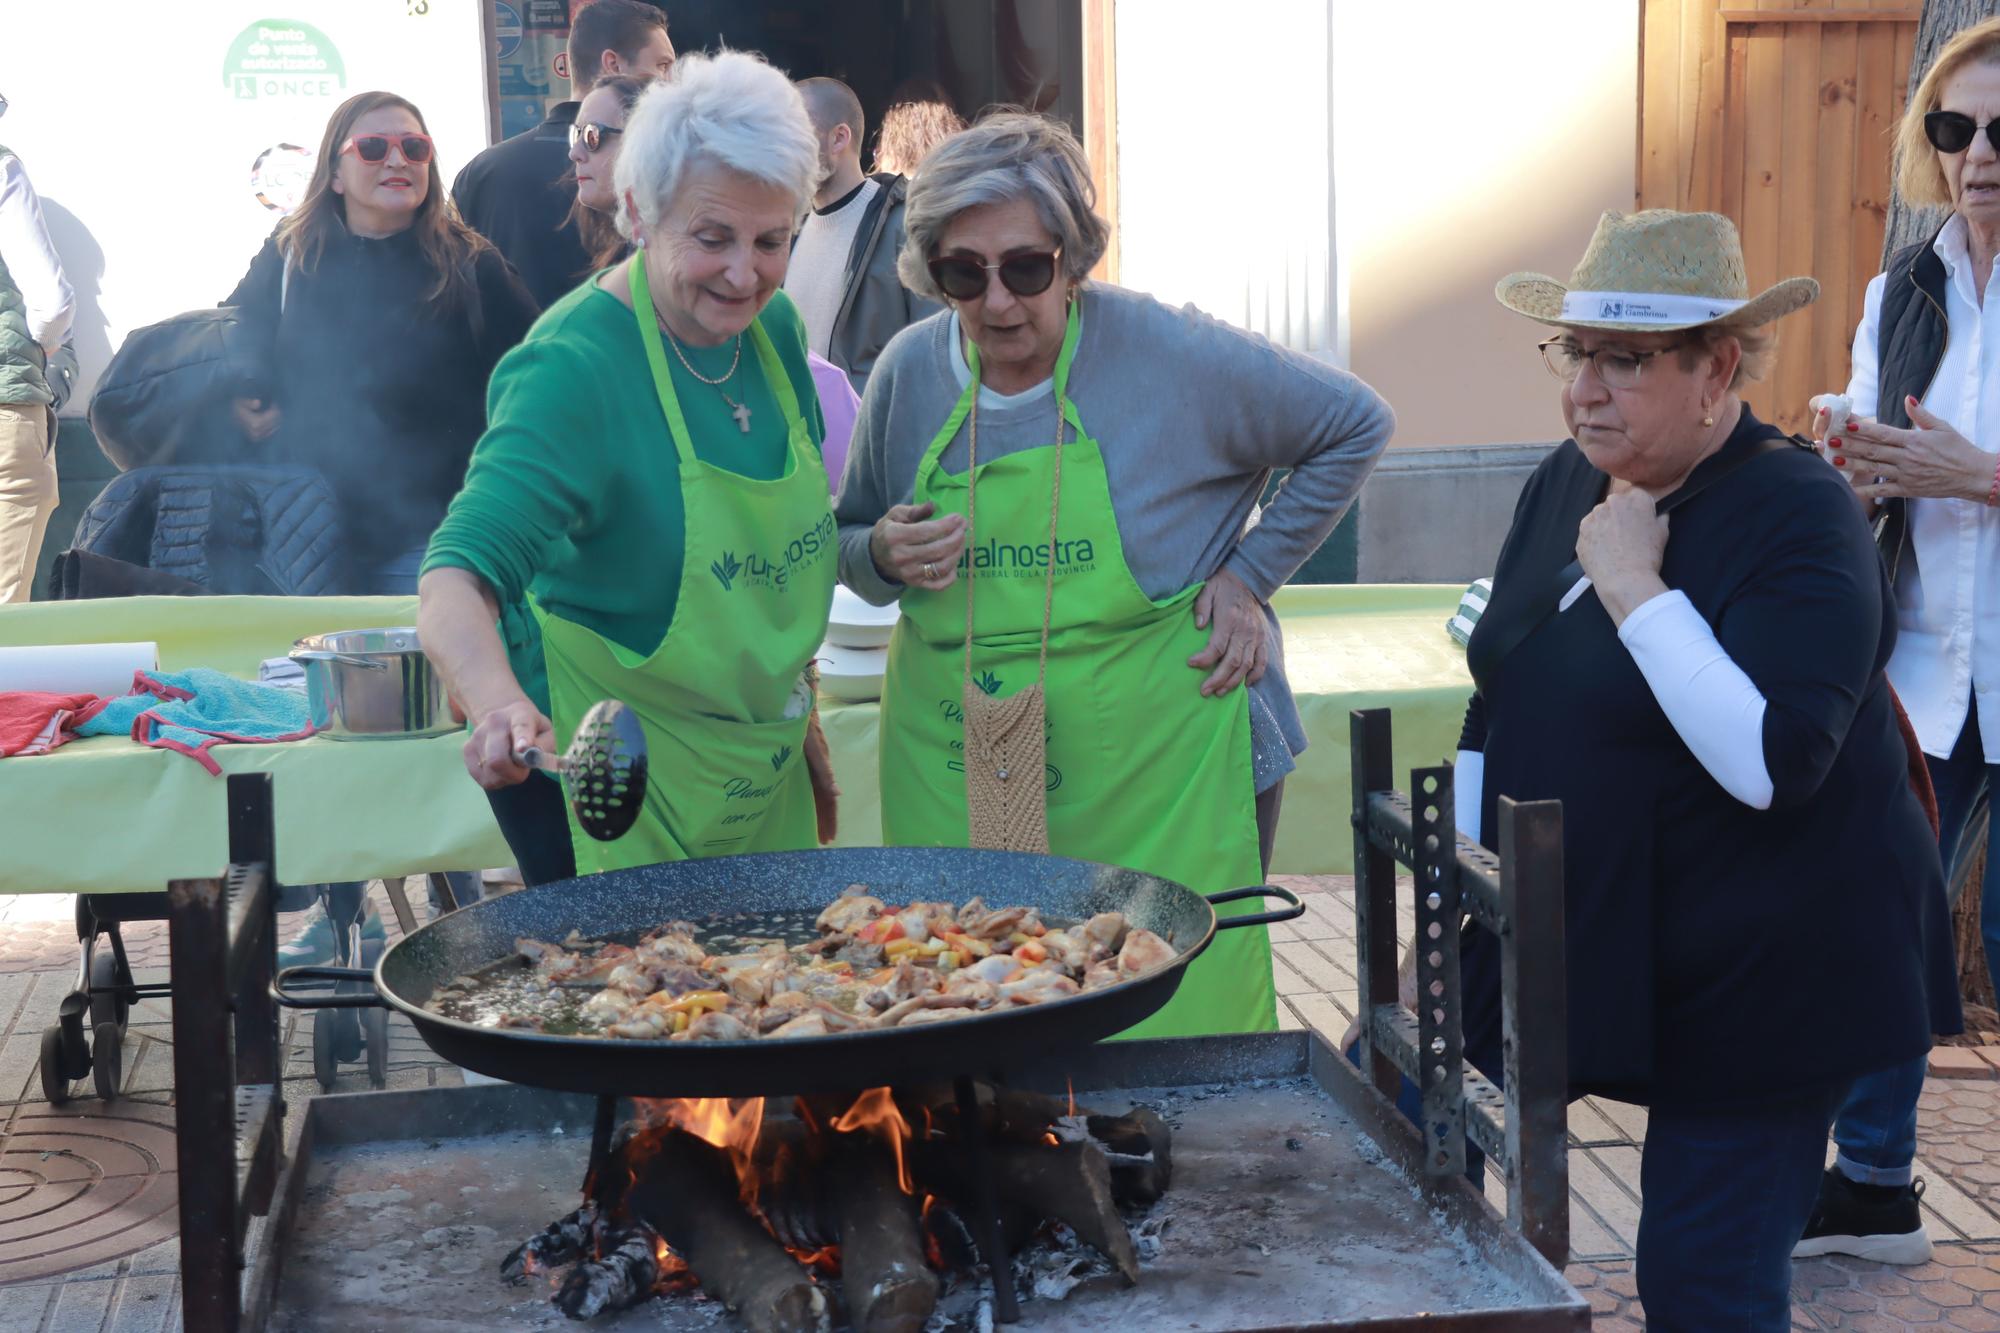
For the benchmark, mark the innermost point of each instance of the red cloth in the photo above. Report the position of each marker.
(35, 723)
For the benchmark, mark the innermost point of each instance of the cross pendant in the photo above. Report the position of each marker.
(742, 414)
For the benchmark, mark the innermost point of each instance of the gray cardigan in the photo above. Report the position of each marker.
(1193, 415)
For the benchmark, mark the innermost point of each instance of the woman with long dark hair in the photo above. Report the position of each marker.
(385, 314)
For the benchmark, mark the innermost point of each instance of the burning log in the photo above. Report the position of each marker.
(889, 1287)
(1139, 1147)
(688, 1191)
(1069, 1182)
(563, 1241)
(622, 1278)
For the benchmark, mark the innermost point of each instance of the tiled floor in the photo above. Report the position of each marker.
(86, 1221)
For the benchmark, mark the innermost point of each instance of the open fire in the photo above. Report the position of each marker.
(858, 1210)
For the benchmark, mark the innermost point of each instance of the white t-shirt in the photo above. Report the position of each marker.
(816, 278)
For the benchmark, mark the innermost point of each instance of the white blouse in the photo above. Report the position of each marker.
(1947, 656)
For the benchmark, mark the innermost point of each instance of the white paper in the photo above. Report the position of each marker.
(77, 668)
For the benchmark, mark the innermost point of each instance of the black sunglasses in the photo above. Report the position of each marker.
(964, 279)
(1952, 131)
(591, 135)
(375, 147)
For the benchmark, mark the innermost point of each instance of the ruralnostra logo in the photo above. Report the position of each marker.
(782, 755)
(726, 569)
(988, 682)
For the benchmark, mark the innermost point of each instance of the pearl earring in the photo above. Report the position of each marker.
(1708, 421)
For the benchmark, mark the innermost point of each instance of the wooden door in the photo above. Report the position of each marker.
(1781, 114)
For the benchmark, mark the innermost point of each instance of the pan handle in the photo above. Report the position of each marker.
(1291, 913)
(339, 1000)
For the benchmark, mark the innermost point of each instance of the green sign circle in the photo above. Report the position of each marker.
(282, 58)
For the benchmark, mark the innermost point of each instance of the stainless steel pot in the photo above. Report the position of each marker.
(372, 684)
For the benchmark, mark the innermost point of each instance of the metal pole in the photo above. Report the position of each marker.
(1374, 892)
(205, 1110)
(1535, 1011)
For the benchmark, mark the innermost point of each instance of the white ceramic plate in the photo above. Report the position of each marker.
(851, 675)
(856, 624)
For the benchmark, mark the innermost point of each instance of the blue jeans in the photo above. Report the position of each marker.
(1877, 1129)
(1728, 1193)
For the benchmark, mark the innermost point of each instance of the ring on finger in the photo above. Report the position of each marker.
(930, 570)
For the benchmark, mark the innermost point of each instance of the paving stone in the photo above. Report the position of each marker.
(144, 1305)
(1960, 1062)
(1597, 1188)
(1288, 1020)
(23, 1307)
(1948, 1294)
(1973, 1320)
(1319, 971)
(80, 1307)
(1883, 1283)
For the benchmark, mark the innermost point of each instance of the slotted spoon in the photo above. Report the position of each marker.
(603, 771)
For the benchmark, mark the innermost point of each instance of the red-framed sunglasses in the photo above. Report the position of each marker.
(375, 147)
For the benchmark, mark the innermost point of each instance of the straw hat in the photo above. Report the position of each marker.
(1655, 272)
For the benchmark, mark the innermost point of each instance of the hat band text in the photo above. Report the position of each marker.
(1645, 308)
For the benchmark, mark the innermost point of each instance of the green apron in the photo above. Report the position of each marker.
(719, 698)
(1142, 770)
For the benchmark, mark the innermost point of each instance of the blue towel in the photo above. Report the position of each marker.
(190, 711)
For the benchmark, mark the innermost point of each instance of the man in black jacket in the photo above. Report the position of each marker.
(843, 268)
(517, 194)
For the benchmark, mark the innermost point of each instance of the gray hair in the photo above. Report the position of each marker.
(1007, 156)
(731, 109)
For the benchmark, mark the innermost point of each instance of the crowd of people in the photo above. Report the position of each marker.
(627, 402)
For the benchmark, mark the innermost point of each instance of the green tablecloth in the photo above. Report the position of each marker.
(109, 816)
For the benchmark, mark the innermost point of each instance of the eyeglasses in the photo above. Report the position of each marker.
(375, 147)
(591, 135)
(964, 279)
(1617, 367)
(1952, 131)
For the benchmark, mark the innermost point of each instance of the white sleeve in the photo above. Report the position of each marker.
(1715, 707)
(1468, 788)
(31, 259)
(1863, 373)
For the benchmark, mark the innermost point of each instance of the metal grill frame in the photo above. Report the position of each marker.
(1517, 896)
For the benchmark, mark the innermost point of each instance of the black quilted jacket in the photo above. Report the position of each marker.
(270, 531)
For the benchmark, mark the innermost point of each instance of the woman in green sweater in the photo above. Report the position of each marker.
(649, 489)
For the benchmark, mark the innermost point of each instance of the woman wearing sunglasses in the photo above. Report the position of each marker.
(1057, 479)
(1919, 445)
(593, 155)
(385, 315)
(650, 489)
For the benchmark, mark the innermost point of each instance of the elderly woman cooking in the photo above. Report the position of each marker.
(1057, 478)
(1929, 463)
(650, 483)
(1750, 882)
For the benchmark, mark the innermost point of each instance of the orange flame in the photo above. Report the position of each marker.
(722, 1122)
(1071, 1085)
(874, 1112)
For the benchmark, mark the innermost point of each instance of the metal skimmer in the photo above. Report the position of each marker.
(603, 771)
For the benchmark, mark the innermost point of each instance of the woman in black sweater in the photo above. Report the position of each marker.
(1752, 889)
(385, 315)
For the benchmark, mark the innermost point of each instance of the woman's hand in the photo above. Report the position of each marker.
(1932, 461)
(912, 548)
(1620, 545)
(258, 417)
(1239, 636)
(498, 736)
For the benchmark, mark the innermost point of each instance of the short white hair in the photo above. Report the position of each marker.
(731, 109)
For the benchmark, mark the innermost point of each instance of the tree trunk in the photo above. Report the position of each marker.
(1942, 20)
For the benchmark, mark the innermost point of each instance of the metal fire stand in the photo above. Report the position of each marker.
(1517, 896)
